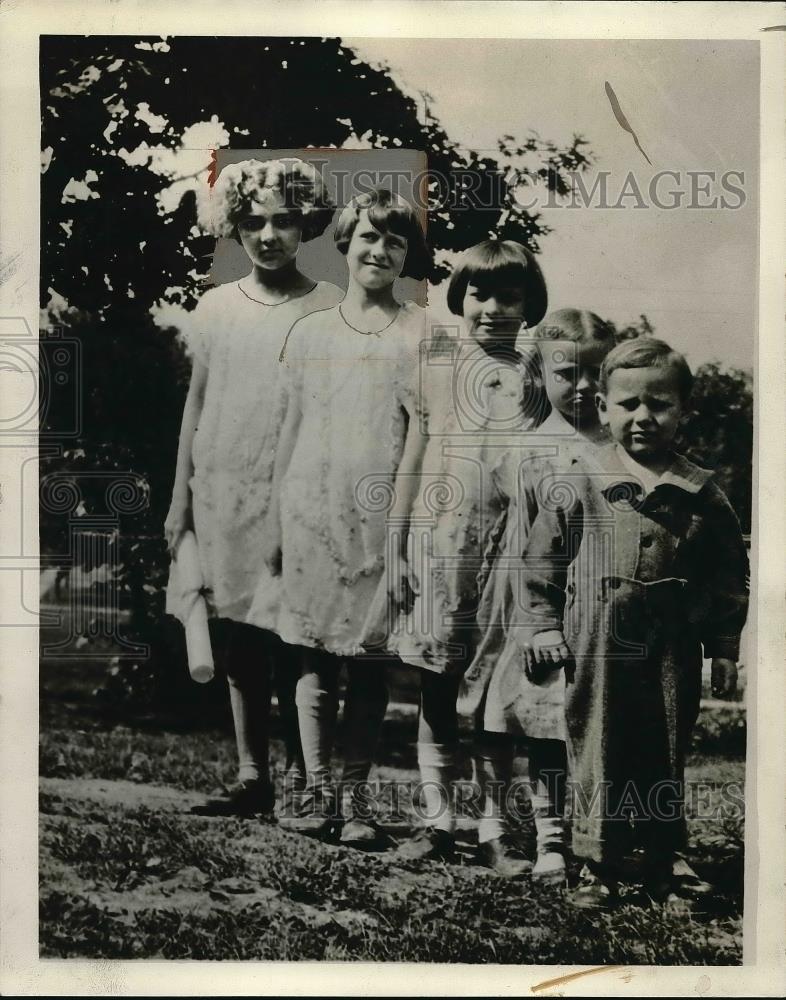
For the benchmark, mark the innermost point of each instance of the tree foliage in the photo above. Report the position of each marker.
(717, 431)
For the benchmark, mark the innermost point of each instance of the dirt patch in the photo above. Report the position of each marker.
(125, 794)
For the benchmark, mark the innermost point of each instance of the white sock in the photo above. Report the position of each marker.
(494, 765)
(437, 763)
(250, 720)
(549, 826)
(490, 828)
(317, 705)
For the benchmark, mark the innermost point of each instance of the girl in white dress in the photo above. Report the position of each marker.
(351, 422)
(233, 415)
(479, 401)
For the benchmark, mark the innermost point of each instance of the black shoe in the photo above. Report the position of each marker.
(594, 892)
(687, 883)
(429, 844)
(317, 814)
(503, 856)
(360, 830)
(291, 801)
(247, 799)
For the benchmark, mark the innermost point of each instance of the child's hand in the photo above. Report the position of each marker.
(400, 586)
(548, 651)
(723, 677)
(272, 557)
(177, 522)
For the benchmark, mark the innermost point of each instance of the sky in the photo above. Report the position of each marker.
(694, 107)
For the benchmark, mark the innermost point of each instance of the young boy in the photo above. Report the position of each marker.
(635, 561)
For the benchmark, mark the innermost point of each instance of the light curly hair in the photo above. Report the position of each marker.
(241, 185)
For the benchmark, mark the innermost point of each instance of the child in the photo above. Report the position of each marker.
(569, 345)
(635, 560)
(350, 423)
(231, 422)
(476, 403)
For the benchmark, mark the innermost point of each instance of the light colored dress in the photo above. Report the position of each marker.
(239, 340)
(495, 686)
(354, 391)
(478, 407)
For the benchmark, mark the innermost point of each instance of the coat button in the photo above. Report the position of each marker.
(646, 541)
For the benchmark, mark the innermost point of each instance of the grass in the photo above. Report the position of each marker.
(125, 872)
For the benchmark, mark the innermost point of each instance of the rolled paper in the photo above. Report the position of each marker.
(200, 653)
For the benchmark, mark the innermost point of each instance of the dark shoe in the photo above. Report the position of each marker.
(686, 883)
(317, 814)
(594, 892)
(504, 857)
(665, 890)
(429, 844)
(361, 833)
(245, 800)
(291, 800)
(359, 828)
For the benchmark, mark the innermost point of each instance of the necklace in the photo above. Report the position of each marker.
(281, 303)
(368, 333)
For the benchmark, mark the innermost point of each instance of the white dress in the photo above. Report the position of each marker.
(353, 390)
(239, 340)
(478, 407)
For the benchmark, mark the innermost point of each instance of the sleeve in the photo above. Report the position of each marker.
(727, 579)
(519, 477)
(294, 356)
(414, 380)
(199, 329)
(550, 548)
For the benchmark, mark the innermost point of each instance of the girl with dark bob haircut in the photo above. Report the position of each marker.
(495, 262)
(387, 212)
(242, 185)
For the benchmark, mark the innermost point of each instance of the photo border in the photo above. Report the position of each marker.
(21, 971)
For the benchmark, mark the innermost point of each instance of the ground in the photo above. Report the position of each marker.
(125, 872)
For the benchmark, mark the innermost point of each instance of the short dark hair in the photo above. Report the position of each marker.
(389, 213)
(498, 262)
(647, 352)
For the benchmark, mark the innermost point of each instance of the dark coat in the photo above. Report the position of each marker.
(637, 582)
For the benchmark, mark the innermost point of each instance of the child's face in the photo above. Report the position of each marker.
(493, 316)
(642, 408)
(570, 373)
(270, 233)
(375, 259)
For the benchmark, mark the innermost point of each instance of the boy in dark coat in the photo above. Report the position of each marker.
(635, 561)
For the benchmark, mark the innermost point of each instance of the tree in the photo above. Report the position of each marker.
(717, 431)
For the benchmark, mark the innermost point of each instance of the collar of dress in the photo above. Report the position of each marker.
(469, 351)
(682, 473)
